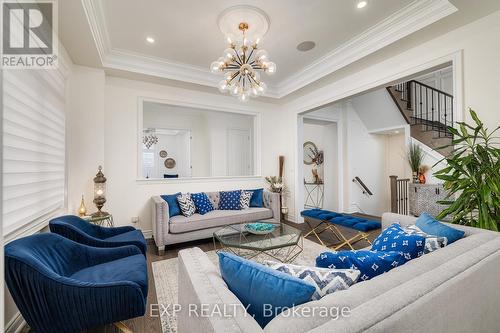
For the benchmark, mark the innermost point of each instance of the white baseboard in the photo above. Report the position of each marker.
(16, 324)
(147, 233)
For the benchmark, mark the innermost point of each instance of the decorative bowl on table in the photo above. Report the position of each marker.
(259, 228)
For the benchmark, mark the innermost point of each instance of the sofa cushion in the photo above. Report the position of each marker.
(173, 205)
(325, 280)
(230, 200)
(202, 203)
(370, 263)
(257, 199)
(131, 268)
(431, 226)
(263, 290)
(245, 199)
(432, 243)
(217, 218)
(186, 203)
(394, 238)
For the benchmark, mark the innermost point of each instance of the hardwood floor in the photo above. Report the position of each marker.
(148, 324)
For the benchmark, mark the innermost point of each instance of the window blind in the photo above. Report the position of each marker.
(34, 156)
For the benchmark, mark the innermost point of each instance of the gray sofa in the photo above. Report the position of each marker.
(178, 229)
(454, 289)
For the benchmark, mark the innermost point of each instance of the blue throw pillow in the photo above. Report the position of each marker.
(229, 200)
(202, 203)
(394, 238)
(257, 199)
(431, 226)
(173, 205)
(370, 263)
(264, 291)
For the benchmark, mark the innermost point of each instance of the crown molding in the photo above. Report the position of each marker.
(415, 16)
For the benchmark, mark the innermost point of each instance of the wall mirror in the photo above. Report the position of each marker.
(185, 142)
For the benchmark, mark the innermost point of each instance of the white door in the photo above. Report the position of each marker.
(239, 150)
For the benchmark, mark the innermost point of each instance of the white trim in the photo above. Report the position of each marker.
(257, 130)
(194, 180)
(404, 22)
(415, 16)
(299, 189)
(16, 324)
(386, 73)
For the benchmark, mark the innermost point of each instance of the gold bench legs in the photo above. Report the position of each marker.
(326, 225)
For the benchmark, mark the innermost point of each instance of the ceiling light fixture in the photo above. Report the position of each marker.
(362, 4)
(150, 40)
(243, 60)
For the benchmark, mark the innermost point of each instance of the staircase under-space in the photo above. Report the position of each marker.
(429, 112)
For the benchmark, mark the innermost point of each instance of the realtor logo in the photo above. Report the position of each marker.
(28, 38)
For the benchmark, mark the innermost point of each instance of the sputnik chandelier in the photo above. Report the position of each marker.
(243, 60)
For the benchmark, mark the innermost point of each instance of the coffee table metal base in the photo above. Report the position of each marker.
(285, 254)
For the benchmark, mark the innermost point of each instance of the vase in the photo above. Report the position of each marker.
(415, 177)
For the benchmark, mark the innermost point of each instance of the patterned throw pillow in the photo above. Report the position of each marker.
(202, 203)
(229, 200)
(370, 263)
(245, 199)
(394, 238)
(432, 243)
(325, 280)
(186, 203)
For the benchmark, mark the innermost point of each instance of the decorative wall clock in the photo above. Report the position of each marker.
(169, 163)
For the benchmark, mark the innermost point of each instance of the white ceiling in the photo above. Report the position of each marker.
(188, 38)
(187, 32)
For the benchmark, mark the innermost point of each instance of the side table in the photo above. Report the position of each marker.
(104, 220)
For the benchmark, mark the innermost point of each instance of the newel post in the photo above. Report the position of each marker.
(394, 194)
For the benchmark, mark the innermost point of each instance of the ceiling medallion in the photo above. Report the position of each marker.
(243, 60)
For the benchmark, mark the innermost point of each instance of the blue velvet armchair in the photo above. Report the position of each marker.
(81, 231)
(63, 286)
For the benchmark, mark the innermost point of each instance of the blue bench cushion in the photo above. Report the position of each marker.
(348, 221)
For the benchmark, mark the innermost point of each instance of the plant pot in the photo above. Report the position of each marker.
(415, 177)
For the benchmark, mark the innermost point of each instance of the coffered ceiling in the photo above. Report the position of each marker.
(187, 37)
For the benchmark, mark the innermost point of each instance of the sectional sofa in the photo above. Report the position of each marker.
(169, 230)
(454, 289)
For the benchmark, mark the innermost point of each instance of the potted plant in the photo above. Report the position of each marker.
(415, 157)
(472, 176)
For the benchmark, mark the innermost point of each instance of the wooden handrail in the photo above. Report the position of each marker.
(360, 182)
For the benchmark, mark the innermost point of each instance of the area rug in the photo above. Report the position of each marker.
(165, 277)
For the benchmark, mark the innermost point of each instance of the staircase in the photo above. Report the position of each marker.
(429, 112)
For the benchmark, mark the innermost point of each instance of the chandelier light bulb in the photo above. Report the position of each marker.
(215, 66)
(271, 67)
(229, 54)
(241, 64)
(223, 86)
(261, 55)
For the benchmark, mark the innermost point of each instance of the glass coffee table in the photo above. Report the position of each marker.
(284, 243)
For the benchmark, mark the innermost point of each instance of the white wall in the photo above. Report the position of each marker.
(377, 110)
(85, 134)
(129, 197)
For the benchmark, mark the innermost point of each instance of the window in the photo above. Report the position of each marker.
(33, 146)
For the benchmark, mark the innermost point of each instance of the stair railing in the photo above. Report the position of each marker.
(364, 188)
(399, 195)
(431, 108)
